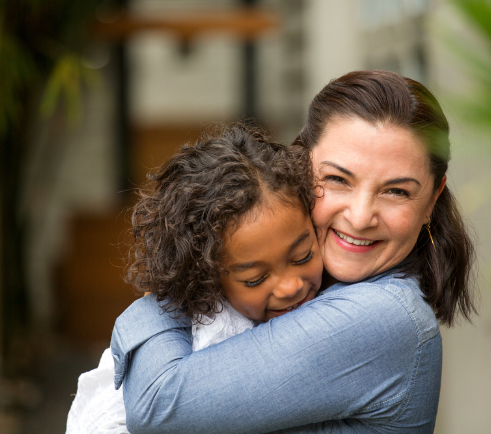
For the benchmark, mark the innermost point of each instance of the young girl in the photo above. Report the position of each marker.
(223, 236)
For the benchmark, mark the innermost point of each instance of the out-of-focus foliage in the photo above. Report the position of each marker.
(41, 48)
(65, 82)
(475, 54)
(41, 51)
(478, 12)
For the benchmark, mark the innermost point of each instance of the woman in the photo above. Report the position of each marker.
(365, 355)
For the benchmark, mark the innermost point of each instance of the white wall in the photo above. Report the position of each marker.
(332, 42)
(207, 84)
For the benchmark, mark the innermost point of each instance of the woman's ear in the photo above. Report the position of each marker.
(440, 189)
(434, 198)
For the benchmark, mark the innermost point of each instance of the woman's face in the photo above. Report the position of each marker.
(377, 195)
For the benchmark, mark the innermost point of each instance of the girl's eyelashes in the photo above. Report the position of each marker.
(255, 282)
(252, 284)
(304, 260)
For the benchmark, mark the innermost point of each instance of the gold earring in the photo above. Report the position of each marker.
(428, 227)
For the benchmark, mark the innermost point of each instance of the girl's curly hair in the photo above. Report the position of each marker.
(180, 219)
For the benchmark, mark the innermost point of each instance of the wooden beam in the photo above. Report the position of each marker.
(246, 23)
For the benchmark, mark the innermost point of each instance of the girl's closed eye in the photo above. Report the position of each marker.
(252, 284)
(307, 258)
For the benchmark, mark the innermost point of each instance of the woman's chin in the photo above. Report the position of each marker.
(355, 272)
(349, 273)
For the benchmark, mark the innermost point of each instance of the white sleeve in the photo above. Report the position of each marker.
(98, 408)
(222, 326)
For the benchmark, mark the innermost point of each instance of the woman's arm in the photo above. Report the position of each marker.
(350, 352)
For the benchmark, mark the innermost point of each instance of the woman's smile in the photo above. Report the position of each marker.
(352, 243)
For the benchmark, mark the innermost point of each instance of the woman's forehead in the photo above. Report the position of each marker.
(355, 142)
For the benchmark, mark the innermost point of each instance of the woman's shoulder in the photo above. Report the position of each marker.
(389, 298)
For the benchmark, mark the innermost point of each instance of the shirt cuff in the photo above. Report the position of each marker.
(137, 324)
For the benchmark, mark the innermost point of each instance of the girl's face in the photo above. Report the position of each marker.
(376, 193)
(272, 260)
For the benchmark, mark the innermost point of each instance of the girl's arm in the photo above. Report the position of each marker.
(347, 353)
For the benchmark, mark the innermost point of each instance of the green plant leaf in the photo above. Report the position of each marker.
(65, 84)
(473, 49)
(477, 12)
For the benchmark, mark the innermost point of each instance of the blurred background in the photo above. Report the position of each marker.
(94, 94)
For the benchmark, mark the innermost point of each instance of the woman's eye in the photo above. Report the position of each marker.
(304, 260)
(334, 178)
(250, 284)
(398, 192)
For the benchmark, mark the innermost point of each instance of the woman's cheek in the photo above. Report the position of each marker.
(399, 221)
(320, 220)
(320, 213)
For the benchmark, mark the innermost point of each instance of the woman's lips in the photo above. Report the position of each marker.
(351, 244)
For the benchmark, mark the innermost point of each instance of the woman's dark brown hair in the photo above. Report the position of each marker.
(180, 219)
(382, 97)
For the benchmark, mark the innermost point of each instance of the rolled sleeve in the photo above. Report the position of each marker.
(143, 320)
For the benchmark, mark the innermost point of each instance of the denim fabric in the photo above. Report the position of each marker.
(360, 358)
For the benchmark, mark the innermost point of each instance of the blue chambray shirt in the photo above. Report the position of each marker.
(360, 358)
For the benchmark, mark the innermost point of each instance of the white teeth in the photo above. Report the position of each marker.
(354, 241)
(292, 307)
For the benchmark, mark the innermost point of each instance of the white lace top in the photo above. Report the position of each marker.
(98, 408)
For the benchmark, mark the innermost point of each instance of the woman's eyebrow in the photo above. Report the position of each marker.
(401, 180)
(244, 266)
(337, 166)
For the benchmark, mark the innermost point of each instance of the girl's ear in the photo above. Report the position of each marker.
(435, 197)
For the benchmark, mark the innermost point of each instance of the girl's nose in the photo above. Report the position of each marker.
(288, 286)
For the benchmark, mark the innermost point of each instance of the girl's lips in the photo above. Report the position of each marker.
(355, 245)
(307, 298)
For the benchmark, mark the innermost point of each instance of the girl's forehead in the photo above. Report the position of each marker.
(266, 229)
(267, 206)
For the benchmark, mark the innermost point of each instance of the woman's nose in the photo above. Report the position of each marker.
(361, 213)
(288, 286)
